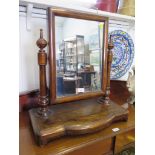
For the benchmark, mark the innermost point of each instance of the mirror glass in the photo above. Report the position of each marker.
(79, 46)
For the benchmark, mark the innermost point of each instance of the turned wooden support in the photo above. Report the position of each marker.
(109, 61)
(42, 61)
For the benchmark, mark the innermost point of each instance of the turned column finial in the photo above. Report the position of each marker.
(42, 61)
(41, 42)
(110, 45)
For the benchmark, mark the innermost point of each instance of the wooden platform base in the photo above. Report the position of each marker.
(75, 118)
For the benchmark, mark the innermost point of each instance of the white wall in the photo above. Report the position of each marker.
(28, 63)
(28, 71)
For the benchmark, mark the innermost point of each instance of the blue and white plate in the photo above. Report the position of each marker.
(123, 53)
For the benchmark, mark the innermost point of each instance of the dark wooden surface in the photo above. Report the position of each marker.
(100, 141)
(125, 140)
(75, 118)
(119, 93)
(52, 13)
(68, 144)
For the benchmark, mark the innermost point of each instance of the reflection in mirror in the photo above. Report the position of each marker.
(78, 56)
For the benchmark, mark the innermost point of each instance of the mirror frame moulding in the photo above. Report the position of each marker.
(55, 11)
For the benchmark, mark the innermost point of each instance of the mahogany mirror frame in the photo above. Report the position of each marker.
(52, 12)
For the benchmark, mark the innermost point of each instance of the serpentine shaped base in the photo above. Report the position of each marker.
(75, 118)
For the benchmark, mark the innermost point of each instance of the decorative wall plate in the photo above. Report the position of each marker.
(123, 53)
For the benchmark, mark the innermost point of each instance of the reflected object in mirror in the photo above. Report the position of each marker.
(80, 69)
